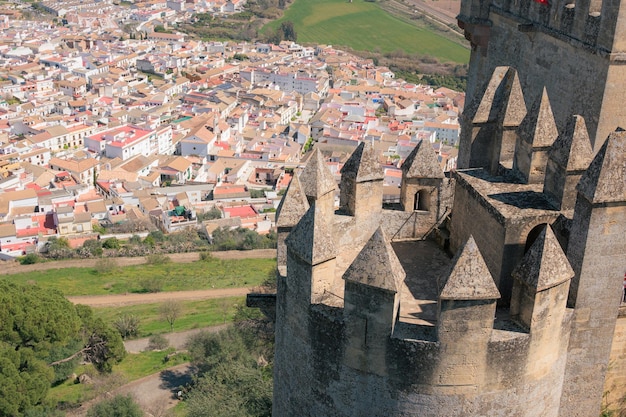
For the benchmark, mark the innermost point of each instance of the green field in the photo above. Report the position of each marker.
(364, 26)
(214, 273)
(193, 314)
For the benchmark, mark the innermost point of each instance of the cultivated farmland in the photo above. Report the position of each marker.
(364, 26)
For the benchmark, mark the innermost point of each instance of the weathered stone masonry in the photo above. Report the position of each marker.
(494, 292)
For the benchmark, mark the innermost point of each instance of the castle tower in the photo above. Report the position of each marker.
(466, 310)
(311, 259)
(489, 121)
(289, 212)
(362, 182)
(574, 49)
(372, 303)
(535, 136)
(568, 159)
(596, 252)
(422, 178)
(318, 183)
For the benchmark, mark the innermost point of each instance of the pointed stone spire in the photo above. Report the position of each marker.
(572, 150)
(568, 158)
(377, 265)
(539, 127)
(363, 164)
(605, 179)
(469, 278)
(422, 162)
(293, 205)
(544, 265)
(316, 178)
(311, 240)
(488, 123)
(503, 100)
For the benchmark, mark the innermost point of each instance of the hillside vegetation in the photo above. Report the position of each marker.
(364, 26)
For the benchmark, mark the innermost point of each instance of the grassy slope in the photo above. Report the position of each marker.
(193, 314)
(175, 276)
(364, 26)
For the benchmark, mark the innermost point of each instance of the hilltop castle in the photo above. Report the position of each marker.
(495, 291)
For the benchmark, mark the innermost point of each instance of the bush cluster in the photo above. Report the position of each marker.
(154, 247)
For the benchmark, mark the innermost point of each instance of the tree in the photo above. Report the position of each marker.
(170, 311)
(235, 372)
(288, 31)
(103, 346)
(38, 327)
(59, 248)
(118, 406)
(92, 247)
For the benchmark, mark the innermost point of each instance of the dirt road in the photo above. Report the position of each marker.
(15, 267)
(132, 298)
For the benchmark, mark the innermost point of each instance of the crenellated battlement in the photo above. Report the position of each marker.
(590, 24)
(506, 311)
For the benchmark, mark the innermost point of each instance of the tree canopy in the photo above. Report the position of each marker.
(234, 371)
(41, 335)
(118, 406)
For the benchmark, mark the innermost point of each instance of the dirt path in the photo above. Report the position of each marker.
(157, 392)
(15, 267)
(154, 393)
(177, 340)
(132, 298)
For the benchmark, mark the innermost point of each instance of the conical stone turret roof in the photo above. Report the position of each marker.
(605, 179)
(363, 164)
(503, 100)
(293, 205)
(469, 278)
(539, 127)
(422, 162)
(544, 265)
(572, 150)
(377, 265)
(316, 178)
(311, 240)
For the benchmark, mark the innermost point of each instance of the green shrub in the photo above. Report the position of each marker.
(157, 259)
(92, 247)
(149, 241)
(135, 240)
(31, 258)
(127, 325)
(151, 284)
(118, 406)
(158, 342)
(111, 243)
(206, 256)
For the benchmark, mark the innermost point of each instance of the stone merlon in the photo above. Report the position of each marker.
(316, 178)
(311, 240)
(572, 149)
(469, 278)
(604, 181)
(545, 265)
(377, 265)
(539, 127)
(422, 163)
(363, 164)
(293, 206)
